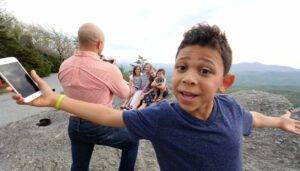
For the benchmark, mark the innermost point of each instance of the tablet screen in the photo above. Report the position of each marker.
(19, 79)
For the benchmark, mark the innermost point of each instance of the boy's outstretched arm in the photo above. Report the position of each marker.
(96, 113)
(283, 122)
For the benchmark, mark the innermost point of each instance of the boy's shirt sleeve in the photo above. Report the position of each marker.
(247, 121)
(142, 124)
(246, 117)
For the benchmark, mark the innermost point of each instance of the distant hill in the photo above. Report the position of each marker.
(167, 67)
(259, 67)
(256, 76)
(270, 78)
(273, 78)
(251, 73)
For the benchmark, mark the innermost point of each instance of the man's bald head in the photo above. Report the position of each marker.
(89, 34)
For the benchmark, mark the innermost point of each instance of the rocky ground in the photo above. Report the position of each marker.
(269, 149)
(25, 146)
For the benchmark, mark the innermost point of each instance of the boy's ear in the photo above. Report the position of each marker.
(228, 81)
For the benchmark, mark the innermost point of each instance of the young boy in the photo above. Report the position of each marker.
(203, 130)
(159, 84)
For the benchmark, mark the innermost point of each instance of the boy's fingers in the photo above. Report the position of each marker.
(42, 84)
(20, 102)
(37, 78)
(287, 114)
(295, 111)
(297, 131)
(9, 89)
(17, 97)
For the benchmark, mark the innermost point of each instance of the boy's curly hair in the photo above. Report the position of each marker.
(161, 70)
(203, 34)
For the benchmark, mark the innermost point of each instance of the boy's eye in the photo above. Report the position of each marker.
(180, 68)
(204, 71)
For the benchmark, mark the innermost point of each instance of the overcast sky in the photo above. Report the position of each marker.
(258, 31)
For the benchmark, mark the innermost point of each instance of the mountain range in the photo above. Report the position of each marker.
(256, 76)
(259, 67)
(251, 74)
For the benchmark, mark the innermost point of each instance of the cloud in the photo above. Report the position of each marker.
(263, 31)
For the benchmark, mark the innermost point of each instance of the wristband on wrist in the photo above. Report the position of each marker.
(59, 101)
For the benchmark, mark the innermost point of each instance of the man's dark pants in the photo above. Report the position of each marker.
(84, 135)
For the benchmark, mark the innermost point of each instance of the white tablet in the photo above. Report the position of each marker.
(16, 76)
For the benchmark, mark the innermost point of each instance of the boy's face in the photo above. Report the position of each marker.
(160, 74)
(197, 77)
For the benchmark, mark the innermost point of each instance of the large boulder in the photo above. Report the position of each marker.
(269, 149)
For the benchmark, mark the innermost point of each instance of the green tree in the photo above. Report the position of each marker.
(63, 44)
(124, 73)
(35, 47)
(53, 61)
(31, 59)
(139, 62)
(15, 43)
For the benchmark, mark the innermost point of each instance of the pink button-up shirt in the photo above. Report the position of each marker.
(84, 76)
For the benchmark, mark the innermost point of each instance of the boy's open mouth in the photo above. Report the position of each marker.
(187, 96)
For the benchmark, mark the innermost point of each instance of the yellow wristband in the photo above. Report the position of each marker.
(58, 101)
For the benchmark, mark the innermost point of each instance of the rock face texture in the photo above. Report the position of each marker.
(269, 149)
(25, 146)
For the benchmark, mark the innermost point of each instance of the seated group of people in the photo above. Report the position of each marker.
(149, 87)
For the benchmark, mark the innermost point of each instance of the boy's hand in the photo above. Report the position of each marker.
(47, 99)
(290, 125)
(2, 84)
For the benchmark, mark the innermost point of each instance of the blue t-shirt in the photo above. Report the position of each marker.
(183, 142)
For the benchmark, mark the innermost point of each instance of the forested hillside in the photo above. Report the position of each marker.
(42, 49)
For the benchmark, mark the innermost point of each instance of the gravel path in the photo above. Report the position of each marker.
(11, 112)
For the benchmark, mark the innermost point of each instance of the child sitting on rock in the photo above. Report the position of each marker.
(159, 85)
(136, 82)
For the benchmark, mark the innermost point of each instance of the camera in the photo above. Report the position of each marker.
(109, 60)
(106, 60)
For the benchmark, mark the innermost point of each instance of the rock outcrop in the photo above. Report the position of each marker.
(25, 146)
(269, 149)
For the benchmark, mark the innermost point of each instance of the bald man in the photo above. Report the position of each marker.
(84, 76)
